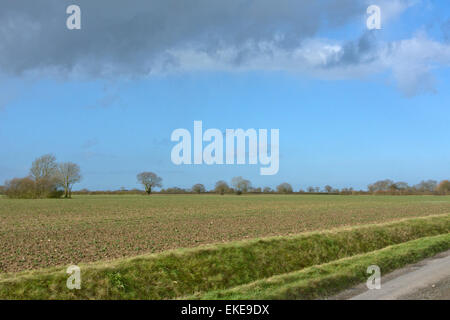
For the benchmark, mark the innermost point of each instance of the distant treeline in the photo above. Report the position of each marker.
(49, 179)
(382, 187)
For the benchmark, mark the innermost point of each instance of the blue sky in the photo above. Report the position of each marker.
(372, 112)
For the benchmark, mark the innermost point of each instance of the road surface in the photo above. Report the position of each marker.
(425, 280)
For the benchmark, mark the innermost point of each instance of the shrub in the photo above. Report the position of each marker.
(27, 188)
(55, 194)
(23, 188)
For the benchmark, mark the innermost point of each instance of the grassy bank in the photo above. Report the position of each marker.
(330, 278)
(184, 272)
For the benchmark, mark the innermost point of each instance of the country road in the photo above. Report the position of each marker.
(426, 280)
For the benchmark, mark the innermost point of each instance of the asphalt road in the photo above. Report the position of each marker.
(425, 280)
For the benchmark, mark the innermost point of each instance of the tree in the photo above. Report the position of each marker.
(43, 171)
(426, 186)
(149, 180)
(328, 189)
(240, 184)
(174, 190)
(198, 188)
(402, 186)
(221, 187)
(43, 167)
(68, 173)
(444, 187)
(267, 190)
(284, 188)
(382, 185)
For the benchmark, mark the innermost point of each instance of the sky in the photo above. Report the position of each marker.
(352, 105)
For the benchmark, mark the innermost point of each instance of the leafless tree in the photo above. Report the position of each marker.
(426, 186)
(68, 173)
(240, 184)
(198, 188)
(382, 185)
(43, 171)
(284, 188)
(43, 167)
(267, 190)
(149, 180)
(221, 187)
(444, 187)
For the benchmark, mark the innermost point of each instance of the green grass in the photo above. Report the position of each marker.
(185, 272)
(330, 278)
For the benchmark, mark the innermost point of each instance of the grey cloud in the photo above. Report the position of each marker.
(126, 37)
(354, 52)
(141, 37)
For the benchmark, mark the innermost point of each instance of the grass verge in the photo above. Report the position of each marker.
(333, 277)
(185, 272)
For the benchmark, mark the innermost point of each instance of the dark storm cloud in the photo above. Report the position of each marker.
(126, 37)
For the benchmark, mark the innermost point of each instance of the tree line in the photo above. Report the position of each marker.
(239, 185)
(47, 179)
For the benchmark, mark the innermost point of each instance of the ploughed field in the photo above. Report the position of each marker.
(41, 233)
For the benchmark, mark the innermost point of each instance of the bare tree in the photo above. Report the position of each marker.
(198, 188)
(221, 187)
(402, 187)
(382, 185)
(284, 188)
(444, 187)
(43, 171)
(427, 186)
(149, 180)
(68, 173)
(43, 167)
(267, 190)
(241, 185)
(328, 189)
